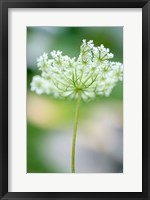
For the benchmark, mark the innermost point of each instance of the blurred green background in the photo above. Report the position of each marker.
(50, 121)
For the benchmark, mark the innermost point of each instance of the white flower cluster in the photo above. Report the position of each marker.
(91, 74)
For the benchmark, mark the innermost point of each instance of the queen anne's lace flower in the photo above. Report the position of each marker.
(91, 74)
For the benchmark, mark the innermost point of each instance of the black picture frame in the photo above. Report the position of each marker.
(4, 6)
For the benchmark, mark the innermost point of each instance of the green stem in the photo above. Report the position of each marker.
(75, 133)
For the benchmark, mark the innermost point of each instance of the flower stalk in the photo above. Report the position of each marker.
(75, 133)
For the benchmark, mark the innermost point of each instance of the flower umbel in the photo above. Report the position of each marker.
(92, 73)
(83, 78)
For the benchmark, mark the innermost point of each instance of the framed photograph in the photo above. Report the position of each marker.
(74, 99)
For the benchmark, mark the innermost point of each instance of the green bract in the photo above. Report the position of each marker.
(92, 73)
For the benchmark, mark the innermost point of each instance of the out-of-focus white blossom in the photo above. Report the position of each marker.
(92, 73)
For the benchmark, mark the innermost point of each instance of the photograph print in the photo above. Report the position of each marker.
(74, 99)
